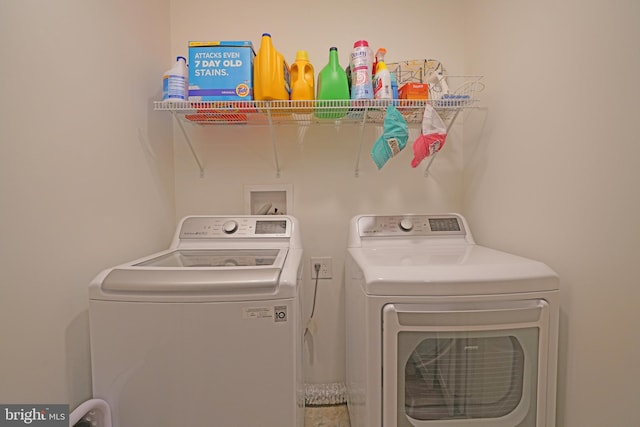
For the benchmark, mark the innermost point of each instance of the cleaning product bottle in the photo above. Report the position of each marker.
(271, 80)
(382, 79)
(347, 70)
(175, 86)
(332, 86)
(394, 86)
(361, 63)
(302, 77)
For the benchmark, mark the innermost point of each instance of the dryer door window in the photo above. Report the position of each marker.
(457, 376)
(469, 362)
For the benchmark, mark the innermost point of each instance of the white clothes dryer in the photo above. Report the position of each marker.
(207, 332)
(442, 331)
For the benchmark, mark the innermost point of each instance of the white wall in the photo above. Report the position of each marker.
(86, 166)
(553, 176)
(321, 166)
(86, 176)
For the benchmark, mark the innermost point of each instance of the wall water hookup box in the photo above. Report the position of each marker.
(274, 199)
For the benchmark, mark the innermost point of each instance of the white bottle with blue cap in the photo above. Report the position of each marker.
(175, 82)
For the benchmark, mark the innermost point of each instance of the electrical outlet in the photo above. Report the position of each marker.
(326, 269)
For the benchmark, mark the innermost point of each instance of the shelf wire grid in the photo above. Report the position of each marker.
(297, 112)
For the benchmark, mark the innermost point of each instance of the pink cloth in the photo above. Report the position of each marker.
(427, 145)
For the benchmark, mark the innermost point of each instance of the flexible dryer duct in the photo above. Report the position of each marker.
(330, 394)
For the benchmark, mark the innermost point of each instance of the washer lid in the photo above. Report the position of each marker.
(223, 258)
(223, 272)
(464, 269)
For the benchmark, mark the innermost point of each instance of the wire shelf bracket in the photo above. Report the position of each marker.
(189, 144)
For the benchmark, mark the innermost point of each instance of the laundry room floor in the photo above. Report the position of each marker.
(326, 416)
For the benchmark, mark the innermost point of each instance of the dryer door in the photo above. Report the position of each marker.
(465, 364)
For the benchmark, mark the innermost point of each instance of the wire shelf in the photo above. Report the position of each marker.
(321, 112)
(268, 113)
(359, 111)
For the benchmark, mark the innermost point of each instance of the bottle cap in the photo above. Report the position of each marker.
(380, 53)
(333, 48)
(266, 34)
(302, 55)
(360, 43)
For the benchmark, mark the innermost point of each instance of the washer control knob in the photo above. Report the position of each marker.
(230, 227)
(406, 224)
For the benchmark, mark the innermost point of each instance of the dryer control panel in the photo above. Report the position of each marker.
(410, 225)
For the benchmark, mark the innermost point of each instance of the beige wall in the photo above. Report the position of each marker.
(553, 176)
(86, 176)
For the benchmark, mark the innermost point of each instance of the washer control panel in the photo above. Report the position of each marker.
(410, 225)
(234, 227)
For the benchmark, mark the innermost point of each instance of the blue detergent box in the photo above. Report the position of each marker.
(221, 70)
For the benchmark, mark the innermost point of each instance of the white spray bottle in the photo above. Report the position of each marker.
(382, 79)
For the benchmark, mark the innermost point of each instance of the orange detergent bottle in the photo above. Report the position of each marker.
(302, 80)
(270, 73)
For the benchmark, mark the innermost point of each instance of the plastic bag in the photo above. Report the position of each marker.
(432, 137)
(393, 139)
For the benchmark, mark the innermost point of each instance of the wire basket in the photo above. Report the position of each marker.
(447, 93)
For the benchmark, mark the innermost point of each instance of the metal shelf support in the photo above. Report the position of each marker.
(362, 126)
(186, 138)
(433, 157)
(273, 141)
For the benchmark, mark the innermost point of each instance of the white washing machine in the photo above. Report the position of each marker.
(444, 332)
(207, 332)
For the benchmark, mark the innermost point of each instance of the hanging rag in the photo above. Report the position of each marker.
(432, 137)
(395, 134)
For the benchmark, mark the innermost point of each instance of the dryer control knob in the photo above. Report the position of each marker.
(406, 225)
(230, 227)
